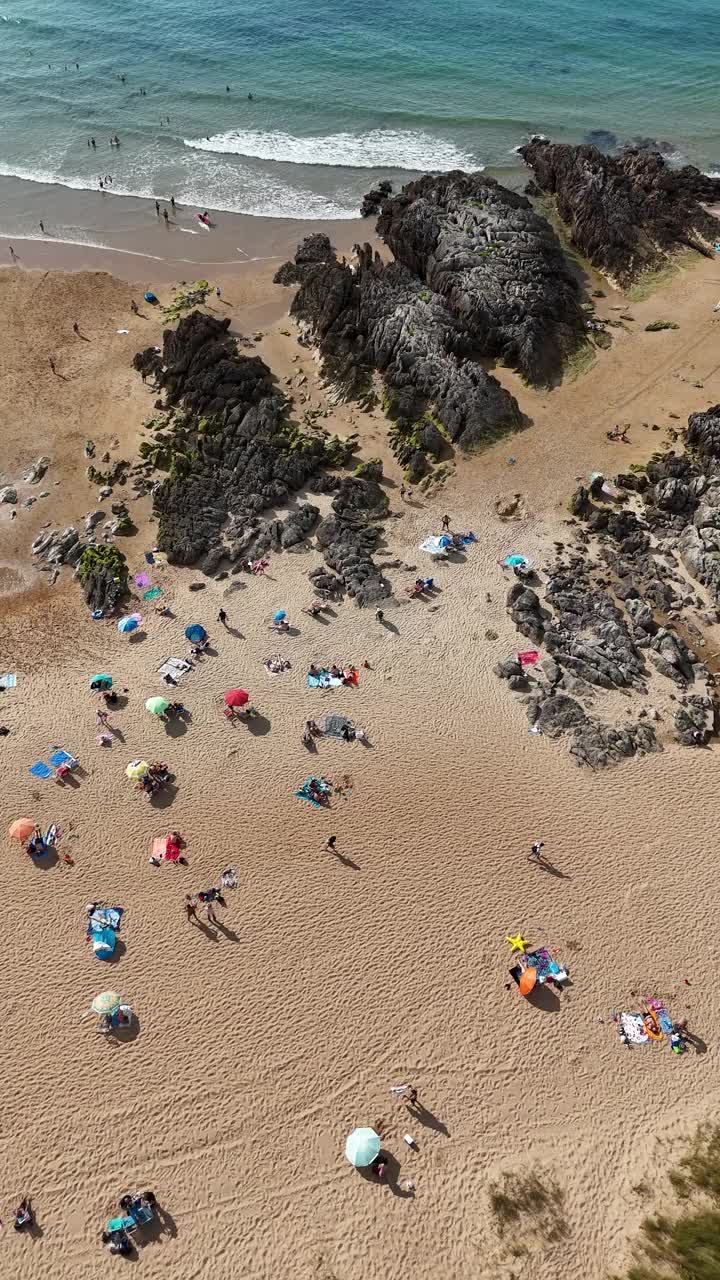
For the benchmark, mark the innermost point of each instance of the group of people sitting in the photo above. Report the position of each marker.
(275, 665)
(155, 779)
(421, 587)
(348, 675)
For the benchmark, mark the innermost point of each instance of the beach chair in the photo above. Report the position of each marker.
(40, 770)
(63, 763)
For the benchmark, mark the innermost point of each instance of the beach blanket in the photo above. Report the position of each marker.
(40, 770)
(666, 1022)
(325, 681)
(228, 878)
(436, 546)
(175, 667)
(164, 850)
(632, 1025)
(106, 918)
(8, 681)
(528, 657)
(333, 726)
(304, 794)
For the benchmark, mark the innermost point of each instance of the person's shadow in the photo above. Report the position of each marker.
(551, 870)
(426, 1117)
(389, 626)
(347, 862)
(697, 1043)
(235, 632)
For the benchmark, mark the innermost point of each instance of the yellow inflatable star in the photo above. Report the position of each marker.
(517, 943)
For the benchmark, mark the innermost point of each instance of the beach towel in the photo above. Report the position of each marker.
(174, 667)
(436, 546)
(164, 849)
(60, 758)
(106, 918)
(40, 770)
(8, 681)
(334, 725)
(228, 878)
(152, 594)
(666, 1022)
(632, 1025)
(528, 657)
(304, 794)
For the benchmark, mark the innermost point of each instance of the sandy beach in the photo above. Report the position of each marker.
(261, 1041)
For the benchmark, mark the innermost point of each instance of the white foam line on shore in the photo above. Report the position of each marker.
(83, 244)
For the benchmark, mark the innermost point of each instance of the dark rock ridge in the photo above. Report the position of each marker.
(372, 200)
(379, 316)
(232, 453)
(497, 264)
(625, 213)
(611, 621)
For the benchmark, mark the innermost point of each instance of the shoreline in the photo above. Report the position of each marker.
(89, 230)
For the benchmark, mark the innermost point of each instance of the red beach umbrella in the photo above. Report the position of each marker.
(236, 698)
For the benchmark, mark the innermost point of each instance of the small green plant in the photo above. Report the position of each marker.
(103, 559)
(194, 295)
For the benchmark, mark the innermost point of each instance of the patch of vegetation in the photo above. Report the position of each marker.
(579, 362)
(193, 295)
(117, 474)
(369, 469)
(656, 326)
(686, 1245)
(532, 1201)
(106, 559)
(638, 468)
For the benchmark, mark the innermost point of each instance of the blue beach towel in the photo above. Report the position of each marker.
(303, 793)
(40, 770)
(59, 758)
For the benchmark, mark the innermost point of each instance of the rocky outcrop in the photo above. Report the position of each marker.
(625, 213)
(373, 199)
(379, 316)
(232, 453)
(496, 263)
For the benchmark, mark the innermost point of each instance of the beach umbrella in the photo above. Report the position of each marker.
(142, 579)
(137, 769)
(131, 623)
(361, 1147)
(236, 698)
(101, 682)
(279, 615)
(516, 562)
(106, 1002)
(528, 978)
(157, 706)
(21, 829)
(195, 633)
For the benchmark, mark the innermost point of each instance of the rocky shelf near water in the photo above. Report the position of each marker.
(626, 213)
(622, 606)
(476, 273)
(231, 450)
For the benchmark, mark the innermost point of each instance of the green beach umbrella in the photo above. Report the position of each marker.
(361, 1147)
(106, 1002)
(157, 706)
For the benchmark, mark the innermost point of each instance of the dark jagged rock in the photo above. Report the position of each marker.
(598, 746)
(497, 264)
(703, 435)
(148, 363)
(380, 317)
(373, 199)
(312, 250)
(695, 721)
(232, 454)
(625, 213)
(524, 608)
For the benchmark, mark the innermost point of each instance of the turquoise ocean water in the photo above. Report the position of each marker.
(342, 93)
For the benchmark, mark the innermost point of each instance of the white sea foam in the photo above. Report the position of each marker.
(228, 192)
(379, 149)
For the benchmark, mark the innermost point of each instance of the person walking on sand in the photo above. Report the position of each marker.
(222, 617)
(165, 216)
(446, 524)
(51, 362)
(190, 908)
(76, 328)
(380, 616)
(11, 251)
(157, 208)
(210, 913)
(403, 492)
(330, 845)
(172, 203)
(134, 307)
(536, 849)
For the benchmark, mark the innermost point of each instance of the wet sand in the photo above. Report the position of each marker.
(261, 1042)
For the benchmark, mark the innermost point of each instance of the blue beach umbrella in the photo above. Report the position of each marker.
(101, 682)
(131, 623)
(279, 616)
(195, 633)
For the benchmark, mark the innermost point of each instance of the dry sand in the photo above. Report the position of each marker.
(261, 1043)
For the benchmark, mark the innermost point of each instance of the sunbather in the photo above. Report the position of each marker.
(23, 1215)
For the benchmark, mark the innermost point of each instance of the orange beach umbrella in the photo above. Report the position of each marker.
(21, 829)
(528, 978)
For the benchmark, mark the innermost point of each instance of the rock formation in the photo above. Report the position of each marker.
(232, 453)
(622, 608)
(476, 273)
(496, 263)
(625, 213)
